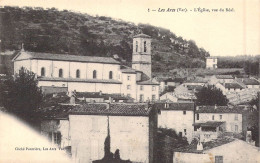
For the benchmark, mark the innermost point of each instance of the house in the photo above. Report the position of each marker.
(169, 97)
(214, 121)
(63, 72)
(230, 87)
(219, 150)
(83, 128)
(169, 82)
(242, 97)
(221, 79)
(250, 83)
(186, 91)
(178, 116)
(211, 62)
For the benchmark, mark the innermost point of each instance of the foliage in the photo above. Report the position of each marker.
(64, 31)
(168, 89)
(20, 94)
(251, 68)
(250, 64)
(210, 95)
(253, 120)
(167, 141)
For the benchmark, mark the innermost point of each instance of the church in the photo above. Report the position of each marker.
(95, 74)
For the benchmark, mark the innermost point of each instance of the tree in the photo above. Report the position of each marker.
(20, 94)
(253, 120)
(210, 95)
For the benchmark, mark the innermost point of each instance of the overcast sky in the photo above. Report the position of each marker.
(220, 33)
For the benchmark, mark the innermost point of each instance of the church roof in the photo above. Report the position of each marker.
(63, 57)
(142, 36)
(109, 81)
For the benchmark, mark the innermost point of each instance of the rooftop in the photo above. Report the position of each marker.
(63, 57)
(192, 148)
(189, 106)
(142, 36)
(233, 86)
(209, 124)
(219, 109)
(147, 82)
(62, 111)
(101, 95)
(194, 87)
(114, 109)
(224, 77)
(249, 81)
(111, 81)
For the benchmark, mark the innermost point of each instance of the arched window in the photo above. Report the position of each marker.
(60, 73)
(77, 73)
(144, 46)
(94, 74)
(42, 71)
(136, 46)
(110, 75)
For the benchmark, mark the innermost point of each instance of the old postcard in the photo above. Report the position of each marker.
(129, 81)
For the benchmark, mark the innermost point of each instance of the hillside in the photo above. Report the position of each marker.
(65, 32)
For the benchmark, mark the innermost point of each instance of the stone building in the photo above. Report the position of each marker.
(94, 74)
(178, 116)
(212, 62)
(83, 128)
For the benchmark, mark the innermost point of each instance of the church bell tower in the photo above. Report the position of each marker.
(141, 59)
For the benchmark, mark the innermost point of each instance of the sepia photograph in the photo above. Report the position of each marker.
(127, 81)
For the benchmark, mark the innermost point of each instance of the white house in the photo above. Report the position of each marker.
(94, 74)
(219, 150)
(211, 62)
(132, 129)
(221, 79)
(169, 97)
(212, 121)
(229, 87)
(177, 116)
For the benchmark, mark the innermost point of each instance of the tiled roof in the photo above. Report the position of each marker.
(248, 81)
(65, 57)
(233, 85)
(142, 36)
(224, 77)
(194, 87)
(102, 95)
(192, 148)
(209, 124)
(110, 81)
(219, 109)
(175, 106)
(55, 112)
(62, 111)
(148, 82)
(114, 109)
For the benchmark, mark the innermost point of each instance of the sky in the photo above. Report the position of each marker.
(221, 33)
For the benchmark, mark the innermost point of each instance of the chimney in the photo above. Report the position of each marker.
(215, 107)
(100, 93)
(108, 106)
(72, 100)
(110, 99)
(248, 136)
